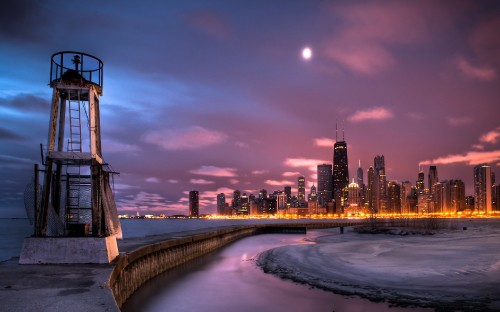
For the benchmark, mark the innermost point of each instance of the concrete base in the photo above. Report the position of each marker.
(51, 250)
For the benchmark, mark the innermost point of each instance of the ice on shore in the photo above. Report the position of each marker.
(454, 269)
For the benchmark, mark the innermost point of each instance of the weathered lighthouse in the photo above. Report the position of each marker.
(75, 217)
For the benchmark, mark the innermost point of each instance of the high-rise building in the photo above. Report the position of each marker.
(457, 190)
(194, 204)
(379, 185)
(393, 197)
(236, 202)
(432, 178)
(221, 204)
(353, 194)
(405, 196)
(482, 188)
(244, 208)
(263, 202)
(360, 174)
(340, 174)
(370, 175)
(301, 187)
(420, 182)
(288, 192)
(361, 185)
(325, 185)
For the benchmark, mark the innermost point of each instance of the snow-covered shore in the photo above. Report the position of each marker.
(451, 270)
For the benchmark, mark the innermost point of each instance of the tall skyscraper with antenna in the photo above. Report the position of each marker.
(340, 171)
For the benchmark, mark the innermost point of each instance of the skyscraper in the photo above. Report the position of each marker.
(482, 188)
(379, 191)
(194, 204)
(340, 174)
(301, 186)
(221, 204)
(360, 175)
(370, 184)
(236, 203)
(420, 181)
(361, 185)
(393, 197)
(432, 178)
(325, 186)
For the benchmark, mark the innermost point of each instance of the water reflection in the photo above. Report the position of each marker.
(229, 280)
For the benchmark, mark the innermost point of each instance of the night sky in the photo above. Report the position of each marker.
(215, 95)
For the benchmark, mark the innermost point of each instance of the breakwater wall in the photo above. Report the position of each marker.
(133, 269)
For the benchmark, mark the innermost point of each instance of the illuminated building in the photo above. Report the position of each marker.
(353, 194)
(340, 174)
(281, 203)
(236, 203)
(288, 192)
(379, 191)
(244, 208)
(313, 196)
(457, 194)
(420, 182)
(325, 184)
(301, 186)
(432, 178)
(361, 185)
(369, 188)
(194, 204)
(482, 188)
(405, 196)
(263, 202)
(221, 204)
(393, 197)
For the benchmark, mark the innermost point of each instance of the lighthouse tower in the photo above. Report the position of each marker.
(75, 217)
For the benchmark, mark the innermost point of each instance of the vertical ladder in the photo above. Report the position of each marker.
(75, 124)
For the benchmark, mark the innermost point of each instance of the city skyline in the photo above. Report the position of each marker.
(218, 96)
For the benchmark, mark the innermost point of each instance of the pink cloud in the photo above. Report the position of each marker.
(291, 174)
(152, 180)
(201, 181)
(234, 181)
(259, 172)
(324, 142)
(278, 183)
(475, 72)
(459, 121)
(478, 146)
(184, 139)
(375, 113)
(311, 164)
(471, 158)
(491, 137)
(362, 57)
(173, 181)
(215, 171)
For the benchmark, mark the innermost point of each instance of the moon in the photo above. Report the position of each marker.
(306, 53)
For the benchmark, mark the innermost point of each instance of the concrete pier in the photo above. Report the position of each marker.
(105, 287)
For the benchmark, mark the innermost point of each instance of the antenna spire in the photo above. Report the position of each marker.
(336, 131)
(343, 136)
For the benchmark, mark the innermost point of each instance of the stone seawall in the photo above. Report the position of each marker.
(140, 265)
